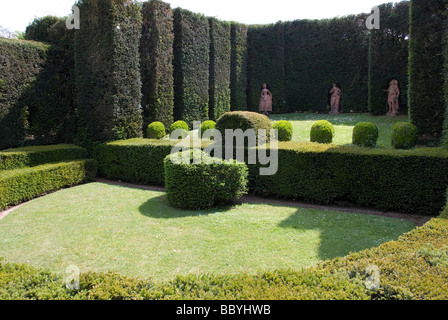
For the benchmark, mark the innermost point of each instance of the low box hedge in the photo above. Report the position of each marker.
(410, 181)
(36, 155)
(19, 185)
(135, 160)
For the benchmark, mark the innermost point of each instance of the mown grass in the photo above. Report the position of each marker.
(101, 228)
(344, 124)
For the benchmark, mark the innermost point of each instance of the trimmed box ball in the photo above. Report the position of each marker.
(203, 182)
(404, 135)
(285, 130)
(365, 134)
(182, 126)
(156, 130)
(207, 125)
(322, 132)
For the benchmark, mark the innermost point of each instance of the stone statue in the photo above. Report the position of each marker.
(265, 100)
(393, 96)
(335, 98)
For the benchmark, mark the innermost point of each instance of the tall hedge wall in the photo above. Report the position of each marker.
(53, 116)
(220, 53)
(108, 70)
(21, 62)
(426, 75)
(266, 52)
(388, 56)
(156, 51)
(238, 67)
(191, 66)
(320, 52)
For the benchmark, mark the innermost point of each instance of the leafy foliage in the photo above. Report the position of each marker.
(156, 130)
(365, 134)
(285, 130)
(404, 135)
(322, 132)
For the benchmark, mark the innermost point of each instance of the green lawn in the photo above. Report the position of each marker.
(100, 227)
(344, 124)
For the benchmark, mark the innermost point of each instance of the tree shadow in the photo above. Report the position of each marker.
(342, 233)
(160, 208)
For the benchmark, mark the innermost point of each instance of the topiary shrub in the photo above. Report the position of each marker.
(322, 132)
(182, 126)
(285, 130)
(203, 182)
(245, 120)
(207, 125)
(404, 135)
(156, 130)
(365, 134)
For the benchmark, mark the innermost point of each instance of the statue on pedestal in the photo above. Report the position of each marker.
(393, 96)
(335, 99)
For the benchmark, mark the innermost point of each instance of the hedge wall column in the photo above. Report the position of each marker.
(191, 66)
(108, 70)
(156, 63)
(238, 67)
(426, 80)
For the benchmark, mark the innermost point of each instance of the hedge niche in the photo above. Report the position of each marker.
(238, 67)
(191, 66)
(108, 70)
(319, 53)
(220, 53)
(426, 62)
(388, 56)
(156, 51)
(266, 51)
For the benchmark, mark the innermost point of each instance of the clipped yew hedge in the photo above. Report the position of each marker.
(238, 67)
(156, 54)
(37, 155)
(191, 66)
(407, 181)
(388, 56)
(20, 65)
(19, 185)
(108, 76)
(220, 54)
(426, 62)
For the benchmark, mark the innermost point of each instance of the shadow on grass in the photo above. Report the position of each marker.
(160, 208)
(342, 233)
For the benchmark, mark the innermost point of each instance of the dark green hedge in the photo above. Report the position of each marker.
(134, 161)
(266, 64)
(191, 66)
(19, 185)
(220, 54)
(406, 181)
(156, 51)
(426, 61)
(37, 155)
(20, 65)
(108, 70)
(238, 67)
(321, 52)
(203, 182)
(388, 56)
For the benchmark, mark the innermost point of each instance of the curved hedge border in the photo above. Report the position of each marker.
(415, 267)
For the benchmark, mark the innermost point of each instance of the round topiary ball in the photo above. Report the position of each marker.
(245, 120)
(182, 126)
(404, 135)
(156, 130)
(365, 134)
(207, 125)
(285, 130)
(322, 132)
